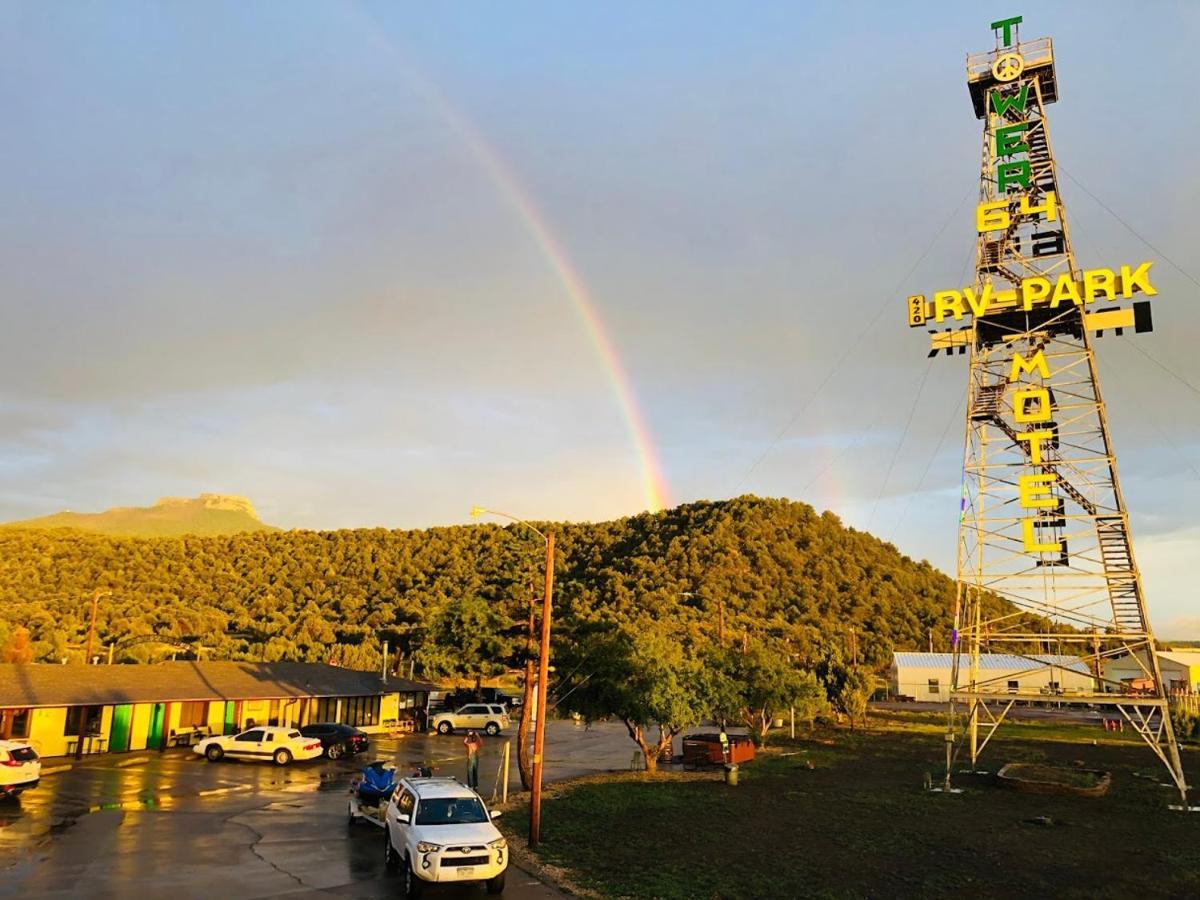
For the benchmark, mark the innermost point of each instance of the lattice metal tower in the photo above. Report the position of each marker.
(1046, 568)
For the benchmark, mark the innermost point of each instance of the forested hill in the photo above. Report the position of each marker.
(781, 570)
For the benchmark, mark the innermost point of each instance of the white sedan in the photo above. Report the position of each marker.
(20, 768)
(263, 742)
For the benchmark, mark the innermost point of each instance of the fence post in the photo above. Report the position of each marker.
(504, 783)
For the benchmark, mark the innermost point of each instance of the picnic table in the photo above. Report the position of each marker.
(188, 736)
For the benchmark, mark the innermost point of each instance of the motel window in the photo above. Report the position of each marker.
(193, 714)
(356, 711)
(1014, 686)
(90, 716)
(359, 711)
(14, 723)
(934, 686)
(326, 710)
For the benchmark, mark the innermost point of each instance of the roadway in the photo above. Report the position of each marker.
(176, 825)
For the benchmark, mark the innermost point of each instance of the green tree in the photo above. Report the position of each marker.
(464, 640)
(756, 686)
(854, 694)
(638, 673)
(17, 649)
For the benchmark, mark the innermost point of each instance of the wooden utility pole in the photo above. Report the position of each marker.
(91, 631)
(539, 734)
(96, 594)
(524, 764)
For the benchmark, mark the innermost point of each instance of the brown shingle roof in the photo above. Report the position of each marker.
(50, 685)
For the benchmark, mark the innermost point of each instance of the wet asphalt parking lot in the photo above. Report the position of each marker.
(175, 825)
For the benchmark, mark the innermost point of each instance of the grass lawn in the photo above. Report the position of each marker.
(859, 824)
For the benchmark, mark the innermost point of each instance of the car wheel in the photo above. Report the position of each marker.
(335, 751)
(496, 885)
(391, 859)
(413, 886)
(491, 729)
(214, 753)
(282, 757)
(444, 728)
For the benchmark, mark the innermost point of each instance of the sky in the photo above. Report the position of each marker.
(377, 263)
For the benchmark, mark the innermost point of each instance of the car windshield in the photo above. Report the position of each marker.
(451, 811)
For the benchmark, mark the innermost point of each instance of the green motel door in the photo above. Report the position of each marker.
(231, 716)
(154, 738)
(118, 738)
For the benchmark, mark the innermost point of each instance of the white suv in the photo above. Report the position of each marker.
(442, 832)
(20, 768)
(489, 718)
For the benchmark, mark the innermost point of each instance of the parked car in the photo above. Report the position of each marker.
(442, 832)
(20, 768)
(263, 742)
(462, 696)
(490, 718)
(337, 740)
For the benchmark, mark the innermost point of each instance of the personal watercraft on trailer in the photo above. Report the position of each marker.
(370, 792)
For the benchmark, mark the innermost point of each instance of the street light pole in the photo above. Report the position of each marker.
(539, 734)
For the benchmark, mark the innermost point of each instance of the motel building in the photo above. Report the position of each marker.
(153, 707)
(1180, 672)
(927, 676)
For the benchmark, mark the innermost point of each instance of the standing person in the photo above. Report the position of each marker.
(473, 742)
(724, 738)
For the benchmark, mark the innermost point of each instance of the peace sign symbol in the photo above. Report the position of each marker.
(1008, 66)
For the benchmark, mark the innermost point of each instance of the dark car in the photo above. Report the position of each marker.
(336, 740)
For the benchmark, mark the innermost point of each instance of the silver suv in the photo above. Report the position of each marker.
(490, 718)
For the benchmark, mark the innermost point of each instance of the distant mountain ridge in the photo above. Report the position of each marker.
(208, 515)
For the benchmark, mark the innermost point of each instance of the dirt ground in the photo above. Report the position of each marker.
(859, 823)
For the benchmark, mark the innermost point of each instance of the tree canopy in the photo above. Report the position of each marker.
(776, 570)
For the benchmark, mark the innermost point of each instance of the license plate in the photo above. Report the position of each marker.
(466, 870)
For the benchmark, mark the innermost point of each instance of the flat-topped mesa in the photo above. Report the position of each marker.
(229, 502)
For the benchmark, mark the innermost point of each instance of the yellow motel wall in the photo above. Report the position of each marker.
(389, 710)
(47, 725)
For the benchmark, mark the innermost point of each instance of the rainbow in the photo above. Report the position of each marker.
(655, 492)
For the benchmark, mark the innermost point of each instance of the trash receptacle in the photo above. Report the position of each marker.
(731, 774)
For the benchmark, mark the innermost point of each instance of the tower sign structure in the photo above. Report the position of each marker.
(1046, 567)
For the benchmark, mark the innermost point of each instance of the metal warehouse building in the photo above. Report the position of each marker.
(927, 676)
(138, 707)
(1180, 670)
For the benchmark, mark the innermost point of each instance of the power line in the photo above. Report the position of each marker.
(946, 430)
(835, 459)
(851, 347)
(1184, 272)
(1187, 384)
(929, 464)
(903, 436)
(1078, 225)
